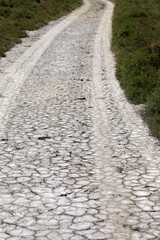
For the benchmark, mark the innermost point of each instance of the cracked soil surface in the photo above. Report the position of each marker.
(76, 160)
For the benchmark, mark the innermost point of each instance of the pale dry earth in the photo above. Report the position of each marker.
(76, 160)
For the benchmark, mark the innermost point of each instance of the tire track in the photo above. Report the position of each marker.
(127, 157)
(19, 71)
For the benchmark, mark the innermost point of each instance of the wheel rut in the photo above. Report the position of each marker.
(76, 161)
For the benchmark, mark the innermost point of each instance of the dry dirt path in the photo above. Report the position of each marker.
(76, 161)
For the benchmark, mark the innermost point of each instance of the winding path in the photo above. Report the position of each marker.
(76, 160)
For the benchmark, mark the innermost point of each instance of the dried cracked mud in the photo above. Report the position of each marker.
(76, 160)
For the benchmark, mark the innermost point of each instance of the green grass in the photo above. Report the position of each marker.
(136, 44)
(17, 16)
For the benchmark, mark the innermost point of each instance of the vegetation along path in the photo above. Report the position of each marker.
(76, 160)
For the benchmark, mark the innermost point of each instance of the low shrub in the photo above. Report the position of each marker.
(152, 112)
(136, 44)
(17, 16)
